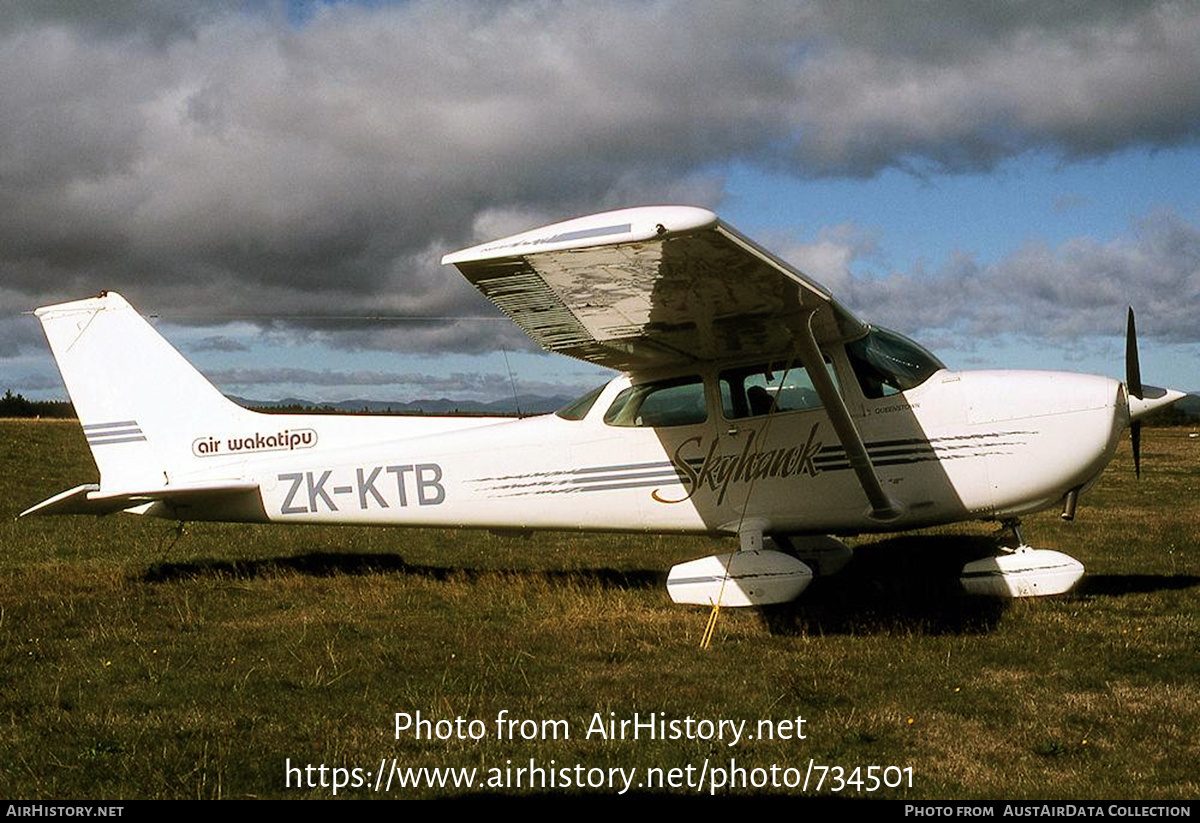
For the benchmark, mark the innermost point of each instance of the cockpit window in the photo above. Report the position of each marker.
(678, 402)
(888, 363)
(775, 387)
(578, 408)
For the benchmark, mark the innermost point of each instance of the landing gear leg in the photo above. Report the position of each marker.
(1012, 525)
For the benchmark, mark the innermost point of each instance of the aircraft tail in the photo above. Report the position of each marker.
(141, 404)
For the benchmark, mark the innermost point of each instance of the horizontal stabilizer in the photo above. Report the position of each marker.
(189, 501)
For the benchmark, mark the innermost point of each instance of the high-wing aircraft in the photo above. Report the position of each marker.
(750, 403)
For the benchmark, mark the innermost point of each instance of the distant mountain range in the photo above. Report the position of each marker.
(1184, 411)
(527, 404)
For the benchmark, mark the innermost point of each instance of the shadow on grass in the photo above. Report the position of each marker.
(910, 584)
(1119, 584)
(328, 564)
(906, 584)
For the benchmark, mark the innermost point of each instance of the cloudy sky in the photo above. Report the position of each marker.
(276, 182)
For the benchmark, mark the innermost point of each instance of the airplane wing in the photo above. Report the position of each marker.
(652, 286)
(658, 286)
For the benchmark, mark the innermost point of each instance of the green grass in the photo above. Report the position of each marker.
(137, 662)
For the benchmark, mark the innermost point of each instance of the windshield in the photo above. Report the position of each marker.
(578, 408)
(887, 363)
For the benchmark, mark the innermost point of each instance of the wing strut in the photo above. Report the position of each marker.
(882, 507)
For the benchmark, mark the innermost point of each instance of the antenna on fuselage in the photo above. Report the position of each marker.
(512, 381)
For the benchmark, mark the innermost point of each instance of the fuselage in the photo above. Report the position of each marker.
(959, 446)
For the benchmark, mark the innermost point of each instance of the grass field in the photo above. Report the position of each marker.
(138, 662)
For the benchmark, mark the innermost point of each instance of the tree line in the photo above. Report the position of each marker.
(15, 405)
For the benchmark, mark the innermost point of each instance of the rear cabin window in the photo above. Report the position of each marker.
(678, 402)
(774, 387)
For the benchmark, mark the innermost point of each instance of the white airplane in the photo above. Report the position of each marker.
(751, 404)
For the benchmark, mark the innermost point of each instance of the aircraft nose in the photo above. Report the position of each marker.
(1152, 399)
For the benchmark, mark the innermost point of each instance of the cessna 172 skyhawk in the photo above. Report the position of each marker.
(751, 404)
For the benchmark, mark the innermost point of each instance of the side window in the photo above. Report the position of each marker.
(665, 403)
(779, 387)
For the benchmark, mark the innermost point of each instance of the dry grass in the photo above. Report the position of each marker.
(136, 666)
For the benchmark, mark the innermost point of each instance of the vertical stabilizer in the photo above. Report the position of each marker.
(140, 402)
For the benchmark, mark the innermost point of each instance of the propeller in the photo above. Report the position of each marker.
(1133, 384)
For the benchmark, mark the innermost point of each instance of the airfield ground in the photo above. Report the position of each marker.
(220, 664)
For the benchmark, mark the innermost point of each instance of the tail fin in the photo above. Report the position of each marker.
(140, 402)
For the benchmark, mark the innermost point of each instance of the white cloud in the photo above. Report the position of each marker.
(1076, 289)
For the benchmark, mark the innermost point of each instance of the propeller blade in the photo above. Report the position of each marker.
(1135, 434)
(1133, 370)
(1133, 384)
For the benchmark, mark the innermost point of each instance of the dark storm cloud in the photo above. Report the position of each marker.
(118, 18)
(221, 159)
(18, 333)
(963, 86)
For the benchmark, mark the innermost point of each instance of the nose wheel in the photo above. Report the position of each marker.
(1021, 571)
